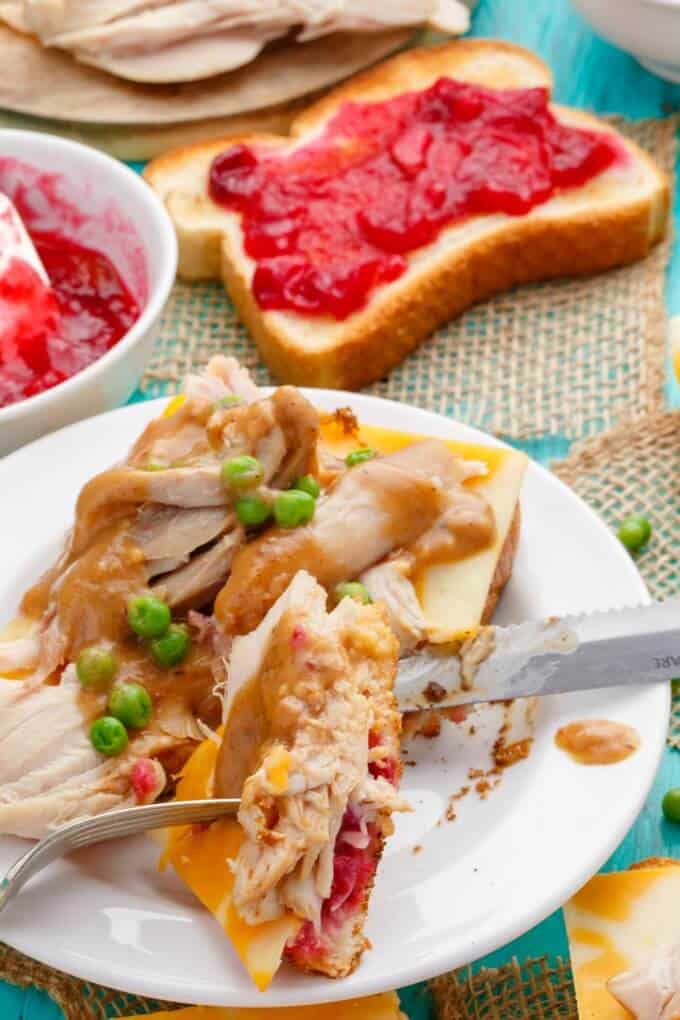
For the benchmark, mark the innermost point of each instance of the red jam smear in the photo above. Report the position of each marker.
(336, 218)
(49, 334)
(353, 872)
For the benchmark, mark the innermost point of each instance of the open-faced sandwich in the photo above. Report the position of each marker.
(225, 619)
(419, 187)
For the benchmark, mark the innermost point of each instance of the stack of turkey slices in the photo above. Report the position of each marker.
(137, 77)
(182, 40)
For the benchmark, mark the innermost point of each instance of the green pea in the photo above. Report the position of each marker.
(173, 647)
(308, 484)
(671, 805)
(231, 400)
(635, 532)
(294, 508)
(96, 667)
(131, 703)
(108, 736)
(155, 465)
(353, 590)
(148, 616)
(359, 456)
(252, 511)
(242, 473)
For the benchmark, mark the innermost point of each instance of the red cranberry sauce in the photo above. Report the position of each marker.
(354, 868)
(336, 218)
(48, 334)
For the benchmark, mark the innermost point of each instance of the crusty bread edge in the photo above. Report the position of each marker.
(504, 565)
(394, 75)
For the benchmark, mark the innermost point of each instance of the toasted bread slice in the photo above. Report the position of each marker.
(613, 219)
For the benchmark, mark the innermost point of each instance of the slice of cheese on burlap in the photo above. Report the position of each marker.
(615, 923)
(377, 1007)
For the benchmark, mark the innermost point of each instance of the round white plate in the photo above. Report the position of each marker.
(505, 862)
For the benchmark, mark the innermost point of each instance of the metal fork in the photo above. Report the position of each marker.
(111, 825)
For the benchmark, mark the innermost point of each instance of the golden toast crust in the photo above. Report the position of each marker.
(594, 237)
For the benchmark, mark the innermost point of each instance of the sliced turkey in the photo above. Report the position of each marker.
(182, 40)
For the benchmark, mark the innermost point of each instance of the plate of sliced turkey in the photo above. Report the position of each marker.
(210, 597)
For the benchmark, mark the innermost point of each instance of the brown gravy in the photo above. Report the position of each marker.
(174, 439)
(468, 526)
(598, 741)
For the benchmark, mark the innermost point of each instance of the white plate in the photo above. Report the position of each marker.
(503, 865)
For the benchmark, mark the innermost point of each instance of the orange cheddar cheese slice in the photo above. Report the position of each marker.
(614, 924)
(377, 1007)
(201, 857)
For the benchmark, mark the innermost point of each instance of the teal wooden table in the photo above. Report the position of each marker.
(589, 73)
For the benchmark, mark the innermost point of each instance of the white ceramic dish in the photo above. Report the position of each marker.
(504, 864)
(140, 240)
(649, 29)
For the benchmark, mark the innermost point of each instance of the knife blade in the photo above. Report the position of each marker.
(614, 648)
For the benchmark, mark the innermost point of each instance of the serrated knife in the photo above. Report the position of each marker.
(616, 648)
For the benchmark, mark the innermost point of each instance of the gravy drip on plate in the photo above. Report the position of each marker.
(598, 741)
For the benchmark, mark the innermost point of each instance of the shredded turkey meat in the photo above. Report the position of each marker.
(51, 774)
(307, 692)
(179, 40)
(162, 521)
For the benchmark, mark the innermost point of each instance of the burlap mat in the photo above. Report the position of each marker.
(636, 468)
(78, 1000)
(534, 990)
(568, 358)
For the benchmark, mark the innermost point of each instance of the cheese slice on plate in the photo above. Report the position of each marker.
(201, 856)
(452, 595)
(377, 1007)
(615, 924)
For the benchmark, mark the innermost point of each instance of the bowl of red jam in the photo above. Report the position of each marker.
(78, 346)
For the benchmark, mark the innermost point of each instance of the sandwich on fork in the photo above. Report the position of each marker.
(311, 744)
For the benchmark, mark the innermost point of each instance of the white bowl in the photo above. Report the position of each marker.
(139, 239)
(649, 29)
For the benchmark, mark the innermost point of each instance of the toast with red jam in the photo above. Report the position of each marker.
(419, 187)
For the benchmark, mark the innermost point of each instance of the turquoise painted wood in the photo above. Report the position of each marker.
(590, 73)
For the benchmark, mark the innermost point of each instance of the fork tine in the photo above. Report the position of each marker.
(112, 825)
